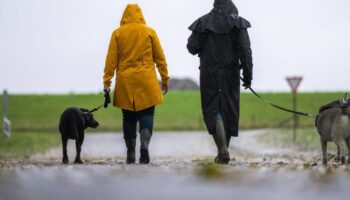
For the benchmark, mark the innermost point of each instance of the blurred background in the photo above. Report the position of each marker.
(60, 46)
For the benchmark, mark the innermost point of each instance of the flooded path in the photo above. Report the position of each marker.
(181, 168)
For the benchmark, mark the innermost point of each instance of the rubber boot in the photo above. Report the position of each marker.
(145, 137)
(130, 145)
(221, 142)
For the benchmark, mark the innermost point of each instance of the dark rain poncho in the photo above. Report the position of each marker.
(221, 40)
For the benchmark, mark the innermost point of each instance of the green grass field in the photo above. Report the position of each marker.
(24, 144)
(307, 139)
(35, 117)
(181, 111)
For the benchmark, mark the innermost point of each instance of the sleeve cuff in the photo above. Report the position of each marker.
(106, 85)
(165, 80)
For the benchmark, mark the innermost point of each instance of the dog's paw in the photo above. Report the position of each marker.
(343, 160)
(325, 162)
(337, 159)
(65, 160)
(79, 162)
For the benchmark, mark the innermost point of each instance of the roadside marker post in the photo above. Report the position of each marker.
(294, 83)
(6, 126)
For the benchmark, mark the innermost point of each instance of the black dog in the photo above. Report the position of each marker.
(73, 122)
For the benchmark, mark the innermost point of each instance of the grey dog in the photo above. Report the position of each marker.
(72, 125)
(333, 125)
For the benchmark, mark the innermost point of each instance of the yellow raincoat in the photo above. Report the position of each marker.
(133, 51)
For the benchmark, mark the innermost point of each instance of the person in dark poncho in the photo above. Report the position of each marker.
(221, 40)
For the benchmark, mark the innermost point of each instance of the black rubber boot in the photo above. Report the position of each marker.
(130, 145)
(221, 142)
(145, 137)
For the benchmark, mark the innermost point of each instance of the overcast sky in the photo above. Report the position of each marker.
(59, 46)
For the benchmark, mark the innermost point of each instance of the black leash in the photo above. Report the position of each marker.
(96, 109)
(279, 107)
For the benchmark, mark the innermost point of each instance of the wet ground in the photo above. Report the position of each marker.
(181, 168)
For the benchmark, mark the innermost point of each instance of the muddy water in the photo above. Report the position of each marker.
(181, 168)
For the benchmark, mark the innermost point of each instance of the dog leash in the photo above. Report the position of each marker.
(96, 109)
(279, 107)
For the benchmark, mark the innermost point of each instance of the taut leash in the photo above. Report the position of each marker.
(96, 109)
(279, 107)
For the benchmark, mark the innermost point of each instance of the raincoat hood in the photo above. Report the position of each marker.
(225, 6)
(132, 14)
(222, 19)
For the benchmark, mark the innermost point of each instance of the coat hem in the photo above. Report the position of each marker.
(136, 110)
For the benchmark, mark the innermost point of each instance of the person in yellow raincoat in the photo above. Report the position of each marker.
(133, 53)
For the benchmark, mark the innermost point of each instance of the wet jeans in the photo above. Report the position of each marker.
(130, 119)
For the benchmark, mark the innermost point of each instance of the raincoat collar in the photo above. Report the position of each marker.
(222, 19)
(132, 14)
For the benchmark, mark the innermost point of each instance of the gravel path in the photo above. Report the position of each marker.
(181, 168)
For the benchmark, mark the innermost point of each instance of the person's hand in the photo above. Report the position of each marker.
(165, 87)
(107, 98)
(246, 84)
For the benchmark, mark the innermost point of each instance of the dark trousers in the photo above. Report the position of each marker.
(130, 119)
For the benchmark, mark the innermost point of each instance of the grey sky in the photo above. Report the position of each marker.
(55, 46)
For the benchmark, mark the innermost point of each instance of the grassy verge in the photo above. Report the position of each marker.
(306, 140)
(22, 144)
(181, 111)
